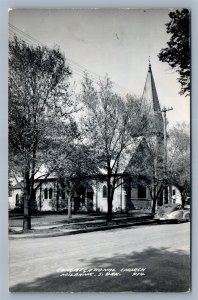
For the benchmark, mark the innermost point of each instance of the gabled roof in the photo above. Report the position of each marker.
(17, 186)
(142, 155)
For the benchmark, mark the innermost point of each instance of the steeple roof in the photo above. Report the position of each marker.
(150, 98)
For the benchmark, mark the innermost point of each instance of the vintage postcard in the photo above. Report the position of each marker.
(99, 150)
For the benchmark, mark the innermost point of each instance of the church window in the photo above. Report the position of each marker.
(104, 192)
(17, 200)
(50, 193)
(141, 192)
(46, 193)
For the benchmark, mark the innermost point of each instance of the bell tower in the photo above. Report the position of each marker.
(156, 135)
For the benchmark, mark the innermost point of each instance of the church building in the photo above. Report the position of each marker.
(92, 194)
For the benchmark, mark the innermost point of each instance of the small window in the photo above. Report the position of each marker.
(104, 192)
(46, 193)
(17, 200)
(50, 193)
(141, 192)
(173, 192)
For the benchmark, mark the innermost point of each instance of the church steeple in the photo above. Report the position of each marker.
(150, 98)
(149, 64)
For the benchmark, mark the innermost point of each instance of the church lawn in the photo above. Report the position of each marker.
(45, 222)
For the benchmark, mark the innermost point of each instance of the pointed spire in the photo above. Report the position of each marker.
(149, 64)
(150, 98)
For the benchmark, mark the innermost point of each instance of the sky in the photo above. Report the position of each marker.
(114, 42)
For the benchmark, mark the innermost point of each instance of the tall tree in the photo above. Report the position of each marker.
(145, 169)
(179, 158)
(79, 167)
(38, 98)
(112, 126)
(177, 54)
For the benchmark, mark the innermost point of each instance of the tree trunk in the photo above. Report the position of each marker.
(154, 198)
(40, 200)
(156, 193)
(69, 207)
(154, 204)
(27, 215)
(27, 204)
(109, 212)
(57, 196)
(109, 198)
(183, 198)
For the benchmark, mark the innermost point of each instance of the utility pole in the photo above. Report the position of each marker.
(164, 110)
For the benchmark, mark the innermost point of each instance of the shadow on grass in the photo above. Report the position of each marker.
(61, 219)
(16, 219)
(166, 271)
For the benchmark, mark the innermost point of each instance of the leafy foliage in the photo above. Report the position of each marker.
(111, 128)
(77, 169)
(40, 123)
(177, 54)
(147, 168)
(179, 158)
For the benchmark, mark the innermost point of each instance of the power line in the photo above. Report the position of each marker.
(76, 68)
(78, 71)
(74, 64)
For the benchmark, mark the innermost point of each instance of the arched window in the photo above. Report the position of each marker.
(46, 193)
(17, 200)
(104, 192)
(50, 193)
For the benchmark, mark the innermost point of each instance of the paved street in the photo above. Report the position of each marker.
(162, 250)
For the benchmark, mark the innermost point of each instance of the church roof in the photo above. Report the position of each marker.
(17, 186)
(141, 154)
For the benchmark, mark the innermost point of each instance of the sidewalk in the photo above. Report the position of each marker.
(80, 224)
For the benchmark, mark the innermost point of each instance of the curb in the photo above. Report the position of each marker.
(78, 231)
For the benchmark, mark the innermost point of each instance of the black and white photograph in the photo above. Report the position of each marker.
(99, 175)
